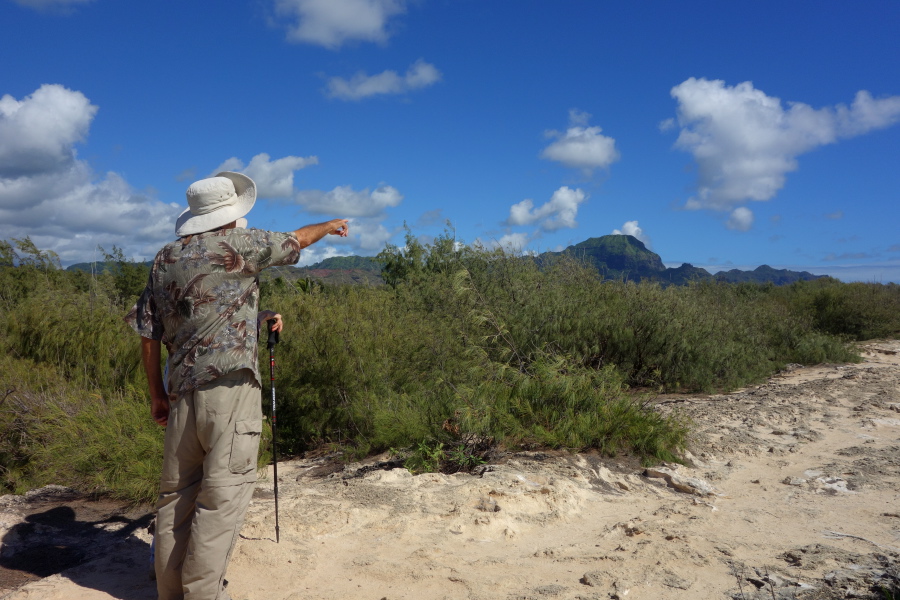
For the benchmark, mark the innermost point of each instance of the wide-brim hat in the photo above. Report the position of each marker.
(215, 202)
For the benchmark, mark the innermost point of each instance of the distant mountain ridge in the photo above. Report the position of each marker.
(614, 256)
(364, 270)
(101, 266)
(626, 257)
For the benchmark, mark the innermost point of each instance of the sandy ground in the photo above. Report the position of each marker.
(793, 492)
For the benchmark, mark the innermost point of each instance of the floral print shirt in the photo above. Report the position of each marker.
(202, 299)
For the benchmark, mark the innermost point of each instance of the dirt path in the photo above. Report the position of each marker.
(794, 492)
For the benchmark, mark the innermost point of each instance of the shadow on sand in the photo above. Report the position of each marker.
(100, 554)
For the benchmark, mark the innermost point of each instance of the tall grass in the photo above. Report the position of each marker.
(465, 350)
(99, 444)
(54, 430)
(859, 311)
(80, 333)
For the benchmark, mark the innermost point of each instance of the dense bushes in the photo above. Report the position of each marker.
(859, 311)
(464, 351)
(702, 337)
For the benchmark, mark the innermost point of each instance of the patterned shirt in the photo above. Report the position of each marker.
(202, 299)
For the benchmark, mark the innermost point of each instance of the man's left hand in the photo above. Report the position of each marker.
(268, 315)
(159, 409)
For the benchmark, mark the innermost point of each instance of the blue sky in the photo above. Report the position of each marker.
(727, 135)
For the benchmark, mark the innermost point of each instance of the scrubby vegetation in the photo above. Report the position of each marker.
(465, 350)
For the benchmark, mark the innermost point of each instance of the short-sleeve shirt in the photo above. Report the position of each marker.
(202, 299)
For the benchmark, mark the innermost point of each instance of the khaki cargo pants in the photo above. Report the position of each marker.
(208, 475)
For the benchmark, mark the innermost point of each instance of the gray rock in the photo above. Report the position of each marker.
(594, 578)
(673, 580)
(687, 485)
(488, 505)
(553, 589)
(796, 481)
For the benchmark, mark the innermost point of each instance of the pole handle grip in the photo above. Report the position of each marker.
(273, 335)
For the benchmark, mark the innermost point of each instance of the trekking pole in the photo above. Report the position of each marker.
(273, 339)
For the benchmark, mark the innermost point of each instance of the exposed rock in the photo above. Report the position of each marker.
(687, 485)
(595, 578)
(796, 481)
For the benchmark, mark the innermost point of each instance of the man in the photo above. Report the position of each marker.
(201, 301)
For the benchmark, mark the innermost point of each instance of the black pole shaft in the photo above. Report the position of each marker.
(273, 339)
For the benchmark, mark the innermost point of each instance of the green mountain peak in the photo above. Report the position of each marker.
(619, 256)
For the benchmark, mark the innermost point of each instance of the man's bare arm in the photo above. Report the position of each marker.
(310, 234)
(151, 352)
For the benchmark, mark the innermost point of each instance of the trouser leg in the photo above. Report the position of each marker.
(209, 470)
(175, 512)
(182, 473)
(217, 523)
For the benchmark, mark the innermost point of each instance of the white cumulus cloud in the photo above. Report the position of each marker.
(274, 178)
(331, 23)
(745, 142)
(419, 75)
(47, 193)
(560, 211)
(366, 210)
(347, 202)
(741, 219)
(631, 228)
(370, 235)
(367, 237)
(580, 146)
(37, 133)
(319, 252)
(511, 242)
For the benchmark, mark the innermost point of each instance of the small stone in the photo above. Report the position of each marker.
(488, 505)
(797, 481)
(593, 578)
(674, 581)
(687, 485)
(553, 589)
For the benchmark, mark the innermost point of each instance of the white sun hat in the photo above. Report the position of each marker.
(215, 202)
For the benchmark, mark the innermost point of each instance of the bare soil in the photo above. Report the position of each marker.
(792, 491)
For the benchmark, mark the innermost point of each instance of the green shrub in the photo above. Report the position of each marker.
(859, 311)
(558, 404)
(26, 388)
(465, 349)
(100, 444)
(57, 431)
(80, 333)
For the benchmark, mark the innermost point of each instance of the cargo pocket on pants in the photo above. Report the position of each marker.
(244, 446)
